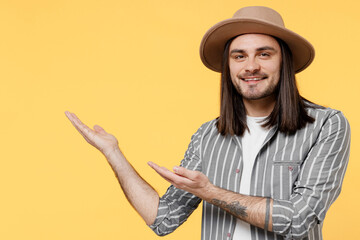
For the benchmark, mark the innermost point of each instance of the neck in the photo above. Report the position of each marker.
(260, 107)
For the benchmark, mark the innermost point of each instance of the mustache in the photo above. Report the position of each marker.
(253, 75)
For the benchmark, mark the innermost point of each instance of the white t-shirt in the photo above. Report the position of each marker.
(251, 144)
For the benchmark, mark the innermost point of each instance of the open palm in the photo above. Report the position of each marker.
(97, 137)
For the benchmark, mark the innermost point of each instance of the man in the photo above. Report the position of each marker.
(270, 166)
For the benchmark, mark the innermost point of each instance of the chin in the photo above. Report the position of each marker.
(257, 96)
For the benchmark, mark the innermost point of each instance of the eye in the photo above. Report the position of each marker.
(238, 57)
(264, 54)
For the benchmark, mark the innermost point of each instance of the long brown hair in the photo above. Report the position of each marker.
(289, 112)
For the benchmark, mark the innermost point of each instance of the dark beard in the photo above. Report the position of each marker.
(256, 96)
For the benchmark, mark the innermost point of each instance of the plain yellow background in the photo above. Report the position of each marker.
(133, 67)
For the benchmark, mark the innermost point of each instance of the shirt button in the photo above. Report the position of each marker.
(229, 234)
(237, 170)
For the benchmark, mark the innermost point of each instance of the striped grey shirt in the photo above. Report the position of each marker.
(302, 173)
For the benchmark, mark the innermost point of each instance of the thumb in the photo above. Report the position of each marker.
(99, 129)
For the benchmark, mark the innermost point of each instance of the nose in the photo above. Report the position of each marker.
(252, 66)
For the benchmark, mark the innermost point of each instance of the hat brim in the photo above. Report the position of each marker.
(213, 43)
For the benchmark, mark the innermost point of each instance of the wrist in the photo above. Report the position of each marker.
(209, 193)
(112, 151)
(114, 156)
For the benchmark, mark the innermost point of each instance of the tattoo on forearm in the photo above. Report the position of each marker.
(234, 208)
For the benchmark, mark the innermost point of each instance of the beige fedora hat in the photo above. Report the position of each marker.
(256, 19)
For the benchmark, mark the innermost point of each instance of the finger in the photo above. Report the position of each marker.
(157, 168)
(78, 121)
(99, 129)
(67, 113)
(70, 116)
(170, 176)
(192, 175)
(76, 124)
(164, 177)
(85, 135)
(84, 130)
(162, 171)
(80, 126)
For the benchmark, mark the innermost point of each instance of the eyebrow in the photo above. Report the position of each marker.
(258, 49)
(266, 48)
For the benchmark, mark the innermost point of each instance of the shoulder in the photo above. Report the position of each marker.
(208, 126)
(321, 113)
(325, 116)
(206, 129)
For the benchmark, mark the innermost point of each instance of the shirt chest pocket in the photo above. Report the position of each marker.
(284, 174)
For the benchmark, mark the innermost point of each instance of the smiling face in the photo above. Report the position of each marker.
(255, 63)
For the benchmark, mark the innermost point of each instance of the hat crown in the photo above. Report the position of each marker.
(253, 20)
(260, 13)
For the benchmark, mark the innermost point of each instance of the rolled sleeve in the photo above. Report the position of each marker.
(176, 205)
(319, 182)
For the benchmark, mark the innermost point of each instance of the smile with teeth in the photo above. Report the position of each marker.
(248, 79)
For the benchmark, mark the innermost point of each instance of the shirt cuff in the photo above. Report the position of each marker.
(282, 215)
(163, 211)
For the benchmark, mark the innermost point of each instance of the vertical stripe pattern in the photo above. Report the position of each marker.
(302, 173)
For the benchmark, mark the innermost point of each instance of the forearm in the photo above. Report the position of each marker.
(139, 193)
(256, 211)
